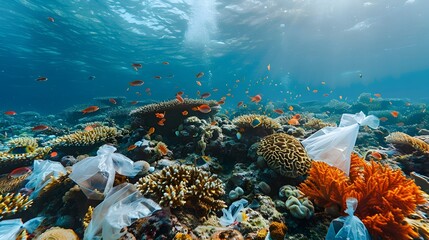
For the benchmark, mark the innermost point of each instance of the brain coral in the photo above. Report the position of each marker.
(247, 122)
(188, 186)
(284, 154)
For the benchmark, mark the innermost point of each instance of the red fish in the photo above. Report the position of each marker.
(11, 113)
(205, 95)
(394, 113)
(136, 83)
(180, 93)
(179, 98)
(204, 108)
(136, 66)
(134, 102)
(53, 154)
(41, 79)
(165, 63)
(90, 109)
(112, 101)
(51, 19)
(279, 111)
(256, 98)
(161, 122)
(376, 155)
(40, 128)
(239, 103)
(199, 75)
(131, 147)
(184, 113)
(18, 172)
(160, 115)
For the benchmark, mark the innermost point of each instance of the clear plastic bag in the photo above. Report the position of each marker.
(41, 175)
(334, 145)
(121, 207)
(9, 229)
(348, 227)
(95, 175)
(232, 214)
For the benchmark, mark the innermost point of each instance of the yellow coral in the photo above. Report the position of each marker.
(13, 203)
(57, 233)
(403, 140)
(277, 230)
(248, 122)
(85, 138)
(180, 185)
(87, 218)
(23, 142)
(284, 154)
(9, 184)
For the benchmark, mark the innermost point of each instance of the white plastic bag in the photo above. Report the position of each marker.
(41, 175)
(95, 175)
(121, 207)
(9, 229)
(232, 214)
(348, 227)
(334, 145)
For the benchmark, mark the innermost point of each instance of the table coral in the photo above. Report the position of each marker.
(185, 186)
(284, 154)
(405, 142)
(13, 203)
(385, 196)
(85, 138)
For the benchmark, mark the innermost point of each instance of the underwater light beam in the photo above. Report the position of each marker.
(202, 24)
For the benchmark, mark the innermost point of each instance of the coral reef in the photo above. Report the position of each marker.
(255, 121)
(228, 234)
(301, 208)
(277, 230)
(22, 142)
(407, 143)
(385, 196)
(88, 216)
(284, 154)
(57, 233)
(13, 203)
(179, 185)
(97, 135)
(317, 124)
(9, 184)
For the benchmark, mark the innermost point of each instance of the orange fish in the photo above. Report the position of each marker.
(42, 79)
(90, 109)
(112, 101)
(257, 98)
(11, 113)
(179, 98)
(184, 113)
(204, 108)
(214, 123)
(394, 114)
(199, 75)
(290, 108)
(136, 83)
(376, 155)
(40, 128)
(240, 103)
(269, 67)
(297, 116)
(136, 66)
(198, 83)
(400, 124)
(160, 115)
(315, 91)
(133, 102)
(53, 154)
(279, 111)
(88, 128)
(383, 119)
(180, 93)
(151, 131)
(19, 172)
(157, 77)
(293, 121)
(205, 95)
(51, 19)
(165, 63)
(220, 102)
(161, 122)
(132, 147)
(377, 95)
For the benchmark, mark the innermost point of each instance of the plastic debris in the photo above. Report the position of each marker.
(232, 214)
(9, 229)
(41, 175)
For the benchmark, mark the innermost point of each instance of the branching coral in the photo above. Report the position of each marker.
(13, 203)
(85, 138)
(9, 184)
(88, 216)
(252, 121)
(284, 154)
(180, 185)
(385, 196)
(23, 142)
(406, 142)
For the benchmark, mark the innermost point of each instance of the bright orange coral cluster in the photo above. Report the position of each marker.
(385, 196)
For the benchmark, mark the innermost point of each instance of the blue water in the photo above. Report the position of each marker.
(305, 43)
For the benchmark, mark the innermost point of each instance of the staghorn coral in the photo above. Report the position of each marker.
(284, 154)
(99, 134)
(385, 196)
(23, 142)
(57, 233)
(177, 186)
(13, 203)
(406, 142)
(245, 121)
(10, 184)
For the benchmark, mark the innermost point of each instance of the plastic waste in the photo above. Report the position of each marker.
(9, 229)
(95, 175)
(41, 175)
(348, 227)
(121, 207)
(232, 214)
(334, 145)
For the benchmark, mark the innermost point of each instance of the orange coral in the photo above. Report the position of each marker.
(385, 196)
(277, 230)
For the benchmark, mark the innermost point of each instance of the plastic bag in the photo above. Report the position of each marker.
(232, 214)
(9, 229)
(334, 145)
(95, 175)
(121, 207)
(349, 227)
(41, 175)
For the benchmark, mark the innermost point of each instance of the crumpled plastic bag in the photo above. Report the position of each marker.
(348, 227)
(95, 175)
(334, 145)
(41, 175)
(9, 229)
(232, 214)
(121, 207)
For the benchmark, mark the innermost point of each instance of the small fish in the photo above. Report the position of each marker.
(10, 113)
(51, 19)
(136, 83)
(238, 135)
(291, 108)
(257, 98)
(279, 111)
(376, 155)
(160, 115)
(220, 102)
(91, 77)
(215, 89)
(383, 119)
(308, 88)
(179, 98)
(151, 131)
(297, 116)
(198, 83)
(134, 102)
(165, 63)
(112, 101)
(394, 114)
(315, 91)
(377, 95)
(180, 93)
(53, 154)
(40, 128)
(157, 77)
(400, 124)
(136, 66)
(18, 172)
(240, 103)
(90, 109)
(360, 75)
(205, 95)
(269, 67)
(341, 97)
(42, 79)
(204, 108)
(323, 83)
(206, 159)
(199, 75)
(293, 122)
(88, 128)
(161, 122)
(184, 113)
(325, 94)
(131, 147)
